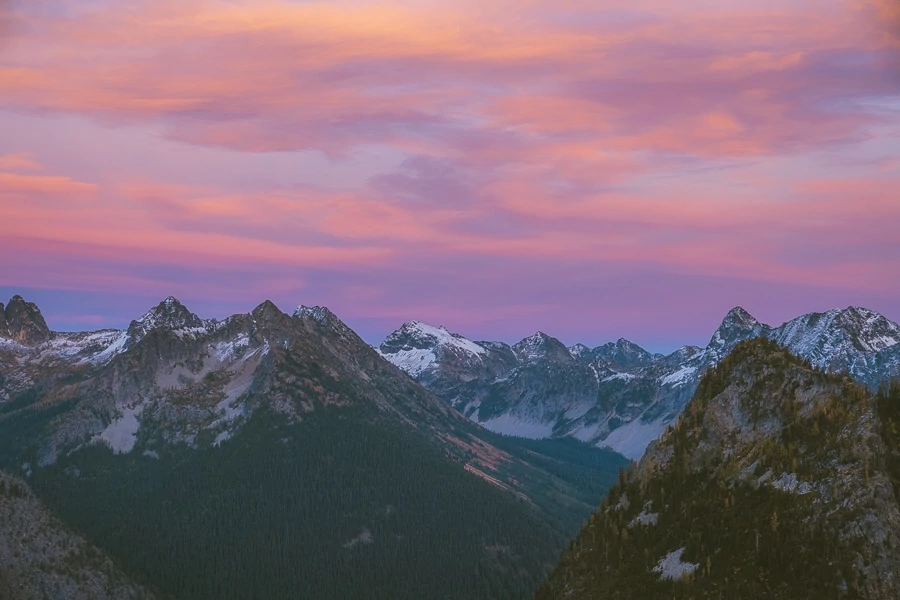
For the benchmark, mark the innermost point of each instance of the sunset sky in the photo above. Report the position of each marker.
(494, 166)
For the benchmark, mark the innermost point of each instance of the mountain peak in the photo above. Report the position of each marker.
(540, 345)
(832, 339)
(580, 351)
(168, 314)
(737, 325)
(23, 322)
(4, 326)
(264, 309)
(739, 317)
(320, 314)
(623, 355)
(421, 336)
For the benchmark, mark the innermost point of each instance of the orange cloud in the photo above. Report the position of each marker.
(15, 184)
(20, 161)
(647, 134)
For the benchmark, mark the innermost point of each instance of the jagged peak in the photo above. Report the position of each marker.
(169, 305)
(538, 337)
(838, 331)
(739, 317)
(737, 325)
(318, 313)
(24, 322)
(539, 345)
(168, 314)
(579, 350)
(416, 334)
(626, 345)
(266, 307)
(324, 317)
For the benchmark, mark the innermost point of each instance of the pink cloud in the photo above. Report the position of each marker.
(673, 140)
(19, 161)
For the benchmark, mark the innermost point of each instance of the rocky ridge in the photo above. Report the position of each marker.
(773, 463)
(41, 558)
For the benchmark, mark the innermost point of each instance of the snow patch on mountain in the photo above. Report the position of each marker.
(632, 438)
(413, 361)
(121, 434)
(679, 377)
(645, 517)
(445, 338)
(620, 377)
(672, 567)
(116, 346)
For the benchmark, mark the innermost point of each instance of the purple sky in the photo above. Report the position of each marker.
(498, 168)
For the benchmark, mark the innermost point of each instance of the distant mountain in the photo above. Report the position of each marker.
(617, 356)
(777, 481)
(22, 322)
(619, 395)
(279, 456)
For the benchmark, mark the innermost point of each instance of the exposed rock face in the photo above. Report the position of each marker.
(4, 326)
(855, 340)
(774, 483)
(24, 322)
(618, 356)
(41, 558)
(618, 394)
(168, 314)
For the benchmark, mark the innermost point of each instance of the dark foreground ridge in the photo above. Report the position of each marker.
(778, 481)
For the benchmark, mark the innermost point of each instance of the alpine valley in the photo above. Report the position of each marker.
(274, 455)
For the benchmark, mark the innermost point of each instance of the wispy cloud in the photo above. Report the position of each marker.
(691, 140)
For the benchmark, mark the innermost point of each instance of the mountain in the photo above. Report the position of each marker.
(619, 395)
(22, 322)
(280, 456)
(41, 558)
(618, 356)
(522, 390)
(778, 481)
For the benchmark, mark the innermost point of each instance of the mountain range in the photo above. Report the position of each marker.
(619, 395)
(271, 455)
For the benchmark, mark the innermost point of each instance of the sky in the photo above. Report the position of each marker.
(592, 170)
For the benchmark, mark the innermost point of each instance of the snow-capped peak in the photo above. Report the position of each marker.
(739, 318)
(168, 314)
(540, 345)
(579, 351)
(737, 325)
(320, 314)
(415, 334)
(417, 346)
(837, 334)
